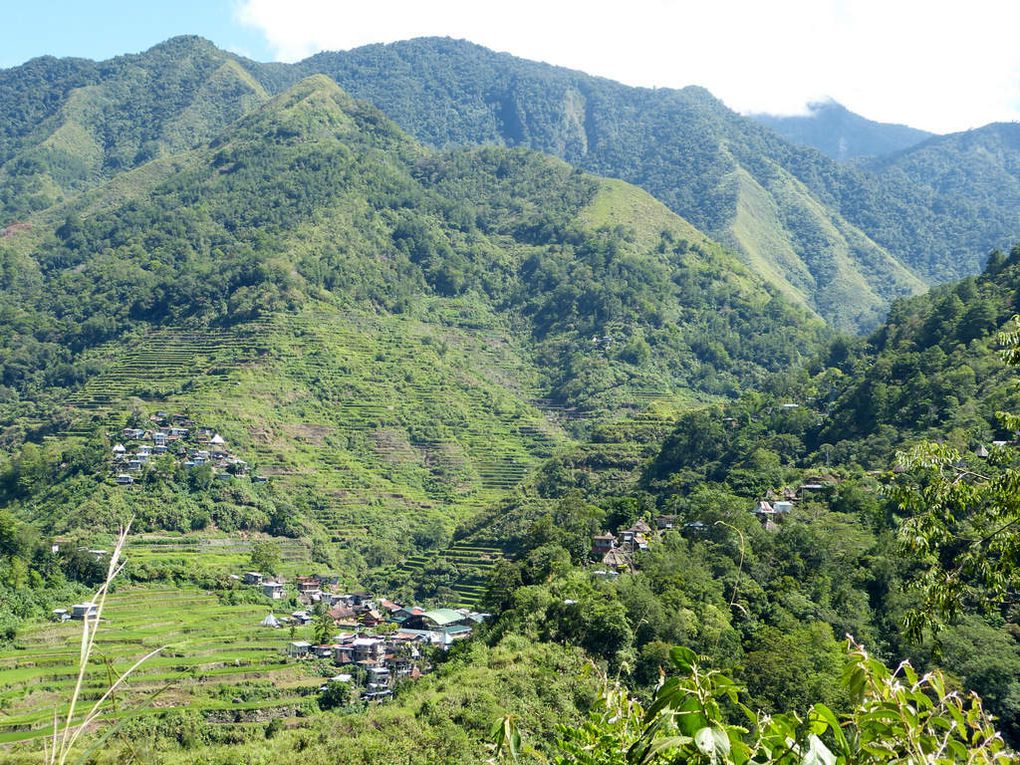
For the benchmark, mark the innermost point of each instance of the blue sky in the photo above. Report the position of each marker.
(100, 29)
(935, 65)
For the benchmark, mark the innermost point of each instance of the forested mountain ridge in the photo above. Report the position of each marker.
(972, 179)
(724, 173)
(315, 217)
(933, 370)
(68, 124)
(842, 240)
(840, 134)
(805, 221)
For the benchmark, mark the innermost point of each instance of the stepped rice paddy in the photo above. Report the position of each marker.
(383, 424)
(474, 562)
(380, 419)
(216, 661)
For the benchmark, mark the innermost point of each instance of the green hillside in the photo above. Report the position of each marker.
(711, 166)
(842, 240)
(817, 223)
(973, 180)
(70, 124)
(933, 369)
(397, 336)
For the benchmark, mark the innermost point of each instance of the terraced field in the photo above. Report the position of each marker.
(376, 426)
(382, 418)
(213, 555)
(159, 364)
(474, 561)
(217, 661)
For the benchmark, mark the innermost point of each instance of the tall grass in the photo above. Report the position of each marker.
(67, 732)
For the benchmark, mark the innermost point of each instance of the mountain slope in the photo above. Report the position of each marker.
(933, 369)
(722, 172)
(398, 334)
(841, 240)
(840, 134)
(69, 124)
(972, 180)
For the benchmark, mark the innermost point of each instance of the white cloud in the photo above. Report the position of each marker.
(936, 65)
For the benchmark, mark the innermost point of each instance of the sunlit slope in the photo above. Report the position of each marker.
(395, 335)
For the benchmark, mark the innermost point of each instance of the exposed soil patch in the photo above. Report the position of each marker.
(15, 228)
(309, 433)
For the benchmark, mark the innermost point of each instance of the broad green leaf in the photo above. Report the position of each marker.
(818, 753)
(827, 716)
(705, 741)
(684, 658)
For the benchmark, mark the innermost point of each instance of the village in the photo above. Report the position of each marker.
(380, 642)
(616, 552)
(175, 435)
(375, 643)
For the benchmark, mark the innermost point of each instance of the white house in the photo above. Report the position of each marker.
(273, 590)
(298, 648)
(83, 611)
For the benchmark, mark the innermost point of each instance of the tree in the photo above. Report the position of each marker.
(265, 557)
(323, 629)
(962, 523)
(335, 695)
(200, 477)
(504, 579)
(896, 716)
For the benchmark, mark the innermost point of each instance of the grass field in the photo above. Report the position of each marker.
(217, 661)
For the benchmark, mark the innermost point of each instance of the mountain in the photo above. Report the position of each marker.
(445, 371)
(69, 124)
(840, 240)
(724, 173)
(840, 134)
(398, 334)
(972, 183)
(933, 369)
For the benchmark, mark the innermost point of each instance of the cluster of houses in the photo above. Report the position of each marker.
(79, 611)
(386, 640)
(778, 504)
(616, 553)
(178, 436)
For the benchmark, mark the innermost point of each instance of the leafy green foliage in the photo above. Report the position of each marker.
(265, 557)
(336, 695)
(961, 526)
(34, 578)
(897, 717)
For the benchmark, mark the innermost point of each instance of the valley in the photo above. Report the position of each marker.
(537, 387)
